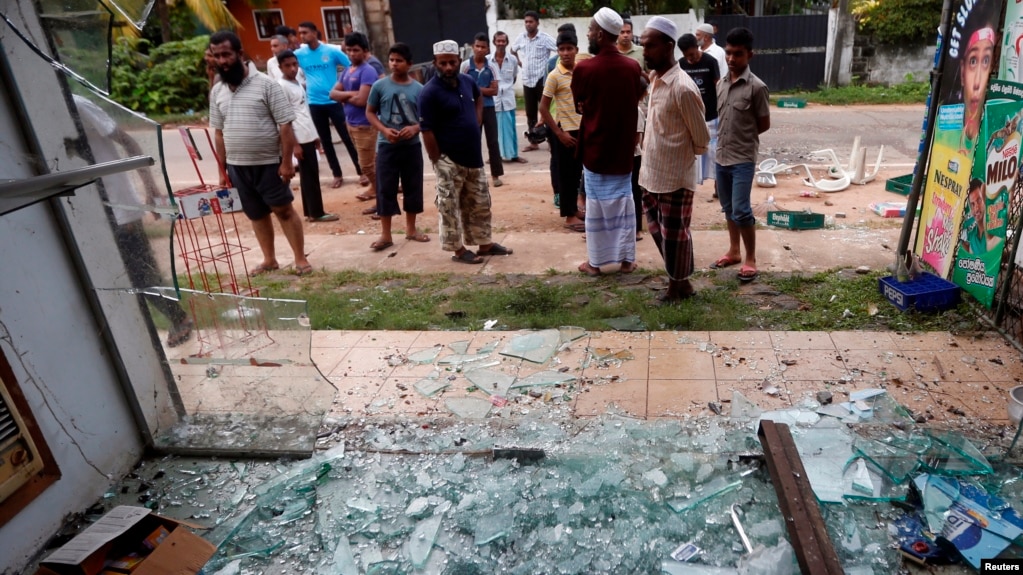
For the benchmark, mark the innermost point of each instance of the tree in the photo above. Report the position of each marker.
(213, 14)
(898, 21)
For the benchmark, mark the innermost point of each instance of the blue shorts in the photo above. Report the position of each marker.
(734, 186)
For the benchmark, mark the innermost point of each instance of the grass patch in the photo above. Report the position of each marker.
(904, 93)
(839, 300)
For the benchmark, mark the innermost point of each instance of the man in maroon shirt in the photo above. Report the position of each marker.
(607, 89)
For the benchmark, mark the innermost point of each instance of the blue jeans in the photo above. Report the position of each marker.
(735, 184)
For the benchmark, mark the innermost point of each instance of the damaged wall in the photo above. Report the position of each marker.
(48, 332)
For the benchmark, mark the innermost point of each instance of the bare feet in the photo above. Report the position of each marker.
(629, 267)
(337, 182)
(589, 270)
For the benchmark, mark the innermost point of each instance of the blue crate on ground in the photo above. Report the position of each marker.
(927, 293)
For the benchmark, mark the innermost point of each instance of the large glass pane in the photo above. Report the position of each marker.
(80, 32)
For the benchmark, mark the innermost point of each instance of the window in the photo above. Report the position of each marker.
(26, 465)
(267, 22)
(336, 23)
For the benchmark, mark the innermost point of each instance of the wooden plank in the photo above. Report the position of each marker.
(807, 532)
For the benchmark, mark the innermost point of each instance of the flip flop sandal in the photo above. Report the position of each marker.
(723, 262)
(580, 227)
(369, 211)
(496, 250)
(420, 237)
(365, 197)
(747, 274)
(378, 245)
(261, 269)
(467, 257)
(304, 270)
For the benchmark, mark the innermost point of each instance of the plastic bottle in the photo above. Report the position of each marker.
(810, 194)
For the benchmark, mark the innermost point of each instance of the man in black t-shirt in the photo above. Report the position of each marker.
(703, 69)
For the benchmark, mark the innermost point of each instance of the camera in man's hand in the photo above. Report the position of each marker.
(538, 135)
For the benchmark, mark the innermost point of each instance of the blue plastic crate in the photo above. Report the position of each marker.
(927, 293)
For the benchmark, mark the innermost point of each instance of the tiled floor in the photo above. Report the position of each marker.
(948, 378)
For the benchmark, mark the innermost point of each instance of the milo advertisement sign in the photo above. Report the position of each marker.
(995, 168)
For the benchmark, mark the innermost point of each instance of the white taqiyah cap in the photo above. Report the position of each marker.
(706, 29)
(609, 20)
(445, 47)
(662, 24)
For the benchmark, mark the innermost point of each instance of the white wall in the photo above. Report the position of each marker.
(48, 333)
(892, 64)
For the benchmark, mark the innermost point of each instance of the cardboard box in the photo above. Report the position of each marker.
(124, 530)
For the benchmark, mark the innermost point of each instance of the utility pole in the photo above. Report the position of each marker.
(841, 16)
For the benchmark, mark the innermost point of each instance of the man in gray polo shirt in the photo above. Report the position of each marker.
(251, 118)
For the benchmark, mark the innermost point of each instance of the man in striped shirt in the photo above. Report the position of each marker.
(565, 128)
(532, 48)
(675, 134)
(251, 119)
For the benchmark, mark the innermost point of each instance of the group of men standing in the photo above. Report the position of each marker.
(601, 112)
(644, 131)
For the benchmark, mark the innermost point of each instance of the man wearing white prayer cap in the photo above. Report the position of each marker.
(607, 89)
(675, 134)
(450, 114)
(705, 36)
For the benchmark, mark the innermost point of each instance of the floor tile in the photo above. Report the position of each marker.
(919, 402)
(336, 338)
(805, 392)
(877, 367)
(428, 338)
(880, 340)
(366, 387)
(1004, 366)
(400, 340)
(784, 341)
(754, 392)
(679, 339)
(742, 339)
(987, 341)
(812, 364)
(680, 364)
(363, 362)
(927, 341)
(629, 396)
(945, 366)
(679, 397)
(617, 340)
(746, 364)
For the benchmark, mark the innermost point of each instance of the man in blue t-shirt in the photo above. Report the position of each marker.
(450, 111)
(320, 62)
(482, 70)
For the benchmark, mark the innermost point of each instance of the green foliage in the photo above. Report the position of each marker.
(169, 79)
(898, 21)
(905, 93)
(582, 8)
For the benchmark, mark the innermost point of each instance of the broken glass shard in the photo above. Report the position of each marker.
(543, 378)
(135, 11)
(459, 359)
(418, 506)
(626, 323)
(468, 407)
(953, 454)
(384, 568)
(824, 452)
(537, 347)
(893, 461)
(571, 333)
(430, 387)
(423, 538)
(460, 347)
(342, 562)
(865, 482)
(426, 355)
(492, 527)
(791, 417)
(743, 408)
(491, 382)
(489, 347)
(714, 488)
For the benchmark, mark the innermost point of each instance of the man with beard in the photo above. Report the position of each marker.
(607, 89)
(451, 110)
(705, 37)
(675, 134)
(320, 62)
(703, 69)
(251, 118)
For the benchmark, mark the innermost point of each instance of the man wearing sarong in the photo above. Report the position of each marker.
(607, 89)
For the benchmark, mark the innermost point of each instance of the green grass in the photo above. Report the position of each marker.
(904, 93)
(401, 301)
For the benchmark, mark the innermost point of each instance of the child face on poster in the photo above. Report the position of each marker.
(977, 205)
(975, 71)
